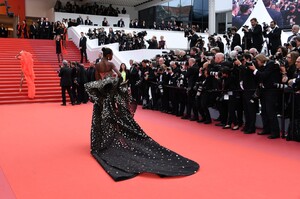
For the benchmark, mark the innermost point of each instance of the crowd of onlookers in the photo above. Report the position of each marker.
(88, 8)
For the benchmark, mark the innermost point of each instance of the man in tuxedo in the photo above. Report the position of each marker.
(65, 74)
(79, 20)
(274, 36)
(269, 75)
(32, 31)
(256, 34)
(98, 60)
(121, 23)
(133, 79)
(236, 38)
(193, 37)
(88, 21)
(47, 29)
(82, 47)
(192, 75)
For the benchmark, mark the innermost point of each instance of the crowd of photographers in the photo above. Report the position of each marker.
(238, 85)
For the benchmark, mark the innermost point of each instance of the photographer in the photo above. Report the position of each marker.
(248, 83)
(273, 33)
(246, 40)
(294, 126)
(192, 74)
(256, 35)
(230, 85)
(153, 43)
(297, 44)
(204, 98)
(236, 38)
(269, 76)
(192, 38)
(101, 37)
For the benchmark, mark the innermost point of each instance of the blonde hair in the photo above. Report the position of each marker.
(262, 58)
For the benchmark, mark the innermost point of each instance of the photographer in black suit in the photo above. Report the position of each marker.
(236, 38)
(255, 34)
(65, 74)
(193, 37)
(82, 47)
(192, 75)
(273, 32)
(269, 77)
(248, 83)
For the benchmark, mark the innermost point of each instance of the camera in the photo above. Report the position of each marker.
(244, 28)
(265, 26)
(188, 32)
(141, 34)
(180, 81)
(160, 88)
(199, 89)
(280, 86)
(213, 73)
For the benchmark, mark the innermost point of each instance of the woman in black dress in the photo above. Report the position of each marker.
(118, 143)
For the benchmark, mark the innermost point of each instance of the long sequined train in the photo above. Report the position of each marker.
(119, 144)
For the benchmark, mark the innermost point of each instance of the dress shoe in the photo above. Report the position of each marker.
(226, 126)
(235, 128)
(244, 129)
(202, 120)
(273, 136)
(193, 119)
(207, 122)
(219, 124)
(249, 131)
(63, 105)
(263, 133)
(186, 117)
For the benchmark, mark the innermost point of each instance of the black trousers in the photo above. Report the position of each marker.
(191, 104)
(63, 94)
(83, 52)
(250, 109)
(269, 99)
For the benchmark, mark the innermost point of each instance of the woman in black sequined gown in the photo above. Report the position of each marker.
(117, 141)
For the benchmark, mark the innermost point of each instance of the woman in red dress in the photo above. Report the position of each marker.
(27, 72)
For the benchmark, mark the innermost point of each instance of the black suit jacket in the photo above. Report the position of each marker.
(133, 76)
(65, 75)
(88, 22)
(257, 37)
(269, 75)
(274, 39)
(82, 43)
(121, 24)
(192, 75)
(236, 41)
(79, 21)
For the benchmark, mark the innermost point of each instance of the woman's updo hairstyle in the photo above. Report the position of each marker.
(106, 51)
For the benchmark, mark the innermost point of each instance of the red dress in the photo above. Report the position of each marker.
(27, 68)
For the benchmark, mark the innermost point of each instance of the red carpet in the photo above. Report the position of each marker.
(44, 153)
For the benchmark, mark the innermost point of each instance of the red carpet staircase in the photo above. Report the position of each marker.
(45, 67)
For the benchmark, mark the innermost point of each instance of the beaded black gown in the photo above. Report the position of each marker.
(119, 144)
